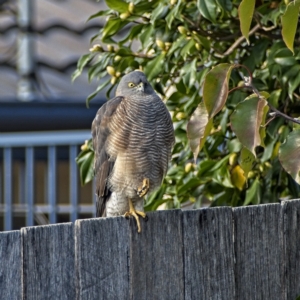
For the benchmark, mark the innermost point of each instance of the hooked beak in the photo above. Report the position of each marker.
(141, 87)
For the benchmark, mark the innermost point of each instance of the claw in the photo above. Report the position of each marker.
(135, 214)
(143, 190)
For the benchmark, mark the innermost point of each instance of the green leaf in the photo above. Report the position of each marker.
(284, 57)
(268, 150)
(246, 10)
(289, 22)
(177, 44)
(159, 12)
(155, 66)
(253, 194)
(189, 74)
(246, 161)
(82, 62)
(146, 36)
(293, 84)
(205, 42)
(174, 13)
(119, 5)
(85, 161)
(222, 176)
(262, 129)
(225, 4)
(208, 9)
(246, 121)
(99, 88)
(185, 51)
(190, 184)
(133, 33)
(234, 145)
(98, 14)
(112, 27)
(198, 129)
(289, 155)
(215, 88)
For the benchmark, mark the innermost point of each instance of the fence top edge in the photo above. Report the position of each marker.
(29, 228)
(174, 211)
(291, 201)
(11, 232)
(249, 207)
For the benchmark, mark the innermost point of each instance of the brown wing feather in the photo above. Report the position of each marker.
(102, 165)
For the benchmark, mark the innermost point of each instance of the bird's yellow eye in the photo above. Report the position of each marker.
(131, 84)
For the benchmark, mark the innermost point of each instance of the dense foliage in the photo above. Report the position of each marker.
(193, 53)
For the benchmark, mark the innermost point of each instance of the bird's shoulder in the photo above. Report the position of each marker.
(107, 109)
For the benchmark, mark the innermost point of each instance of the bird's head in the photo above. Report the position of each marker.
(134, 84)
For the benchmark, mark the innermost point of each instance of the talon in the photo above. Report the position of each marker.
(143, 190)
(135, 214)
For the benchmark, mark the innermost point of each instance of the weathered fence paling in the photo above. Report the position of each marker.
(212, 253)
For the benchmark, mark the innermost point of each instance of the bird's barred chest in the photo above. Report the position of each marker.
(140, 145)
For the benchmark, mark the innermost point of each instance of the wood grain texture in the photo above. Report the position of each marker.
(48, 260)
(258, 252)
(291, 237)
(102, 258)
(156, 258)
(208, 254)
(10, 265)
(213, 253)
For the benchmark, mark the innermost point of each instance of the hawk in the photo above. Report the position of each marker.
(133, 137)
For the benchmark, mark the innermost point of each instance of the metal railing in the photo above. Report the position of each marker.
(29, 143)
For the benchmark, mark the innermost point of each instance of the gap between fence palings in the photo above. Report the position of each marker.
(212, 253)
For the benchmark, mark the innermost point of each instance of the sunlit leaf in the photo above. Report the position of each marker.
(246, 161)
(215, 88)
(120, 5)
(198, 128)
(82, 62)
(262, 129)
(99, 14)
(289, 22)
(246, 121)
(238, 178)
(289, 155)
(112, 26)
(154, 67)
(159, 12)
(246, 10)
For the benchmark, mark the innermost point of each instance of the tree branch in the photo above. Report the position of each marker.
(248, 83)
(238, 42)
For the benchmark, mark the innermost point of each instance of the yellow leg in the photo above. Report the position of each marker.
(135, 214)
(144, 188)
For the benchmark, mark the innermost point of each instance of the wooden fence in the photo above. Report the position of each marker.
(212, 253)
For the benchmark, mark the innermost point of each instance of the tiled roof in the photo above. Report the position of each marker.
(54, 46)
